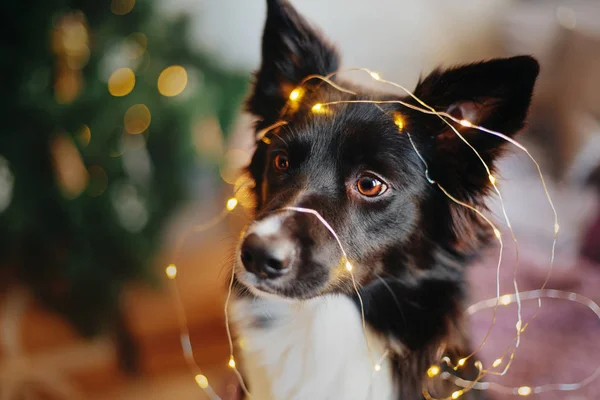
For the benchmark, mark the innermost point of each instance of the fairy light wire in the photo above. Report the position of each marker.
(348, 267)
(519, 326)
(536, 295)
(487, 220)
(184, 336)
(467, 385)
(232, 364)
(431, 110)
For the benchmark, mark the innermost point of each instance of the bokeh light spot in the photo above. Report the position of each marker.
(233, 165)
(98, 181)
(67, 86)
(208, 138)
(137, 119)
(172, 81)
(121, 82)
(71, 176)
(121, 7)
(138, 43)
(84, 136)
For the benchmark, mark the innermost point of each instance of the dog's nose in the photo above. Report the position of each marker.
(265, 257)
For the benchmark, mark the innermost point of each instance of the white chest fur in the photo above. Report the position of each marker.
(310, 350)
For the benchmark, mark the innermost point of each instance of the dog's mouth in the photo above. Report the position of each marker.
(256, 285)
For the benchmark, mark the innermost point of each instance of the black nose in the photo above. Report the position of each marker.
(267, 258)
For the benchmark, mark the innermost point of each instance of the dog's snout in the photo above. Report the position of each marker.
(266, 257)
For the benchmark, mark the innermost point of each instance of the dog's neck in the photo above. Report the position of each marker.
(311, 349)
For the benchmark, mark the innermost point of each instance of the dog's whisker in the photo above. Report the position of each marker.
(398, 305)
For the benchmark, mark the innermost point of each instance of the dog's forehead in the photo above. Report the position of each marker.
(345, 128)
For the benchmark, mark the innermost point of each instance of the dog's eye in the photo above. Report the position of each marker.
(281, 162)
(370, 186)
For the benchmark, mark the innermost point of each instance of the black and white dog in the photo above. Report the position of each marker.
(295, 309)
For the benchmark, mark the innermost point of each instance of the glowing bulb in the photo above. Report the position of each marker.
(457, 394)
(171, 271)
(433, 371)
(375, 75)
(524, 391)
(505, 300)
(317, 108)
(348, 266)
(399, 121)
(377, 367)
(478, 365)
(202, 381)
(556, 228)
(231, 363)
(492, 179)
(232, 203)
(466, 123)
(518, 326)
(497, 362)
(497, 233)
(461, 362)
(296, 94)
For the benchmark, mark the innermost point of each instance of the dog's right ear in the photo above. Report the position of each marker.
(291, 51)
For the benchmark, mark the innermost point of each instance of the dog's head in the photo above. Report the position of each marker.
(356, 167)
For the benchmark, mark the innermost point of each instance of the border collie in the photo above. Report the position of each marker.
(295, 310)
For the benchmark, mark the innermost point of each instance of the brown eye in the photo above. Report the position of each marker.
(281, 162)
(370, 186)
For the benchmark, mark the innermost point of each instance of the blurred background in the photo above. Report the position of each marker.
(123, 128)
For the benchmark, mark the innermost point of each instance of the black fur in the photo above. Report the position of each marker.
(409, 247)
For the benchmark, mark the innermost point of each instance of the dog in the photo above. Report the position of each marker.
(378, 184)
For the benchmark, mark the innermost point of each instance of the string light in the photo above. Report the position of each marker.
(171, 271)
(431, 110)
(492, 181)
(231, 204)
(296, 94)
(347, 264)
(375, 75)
(524, 391)
(317, 108)
(399, 121)
(435, 370)
(202, 381)
(186, 345)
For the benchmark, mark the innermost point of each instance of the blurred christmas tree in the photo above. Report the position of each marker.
(100, 102)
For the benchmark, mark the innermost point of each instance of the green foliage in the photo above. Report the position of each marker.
(76, 248)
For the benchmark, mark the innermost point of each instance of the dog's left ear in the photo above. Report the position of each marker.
(495, 94)
(291, 51)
